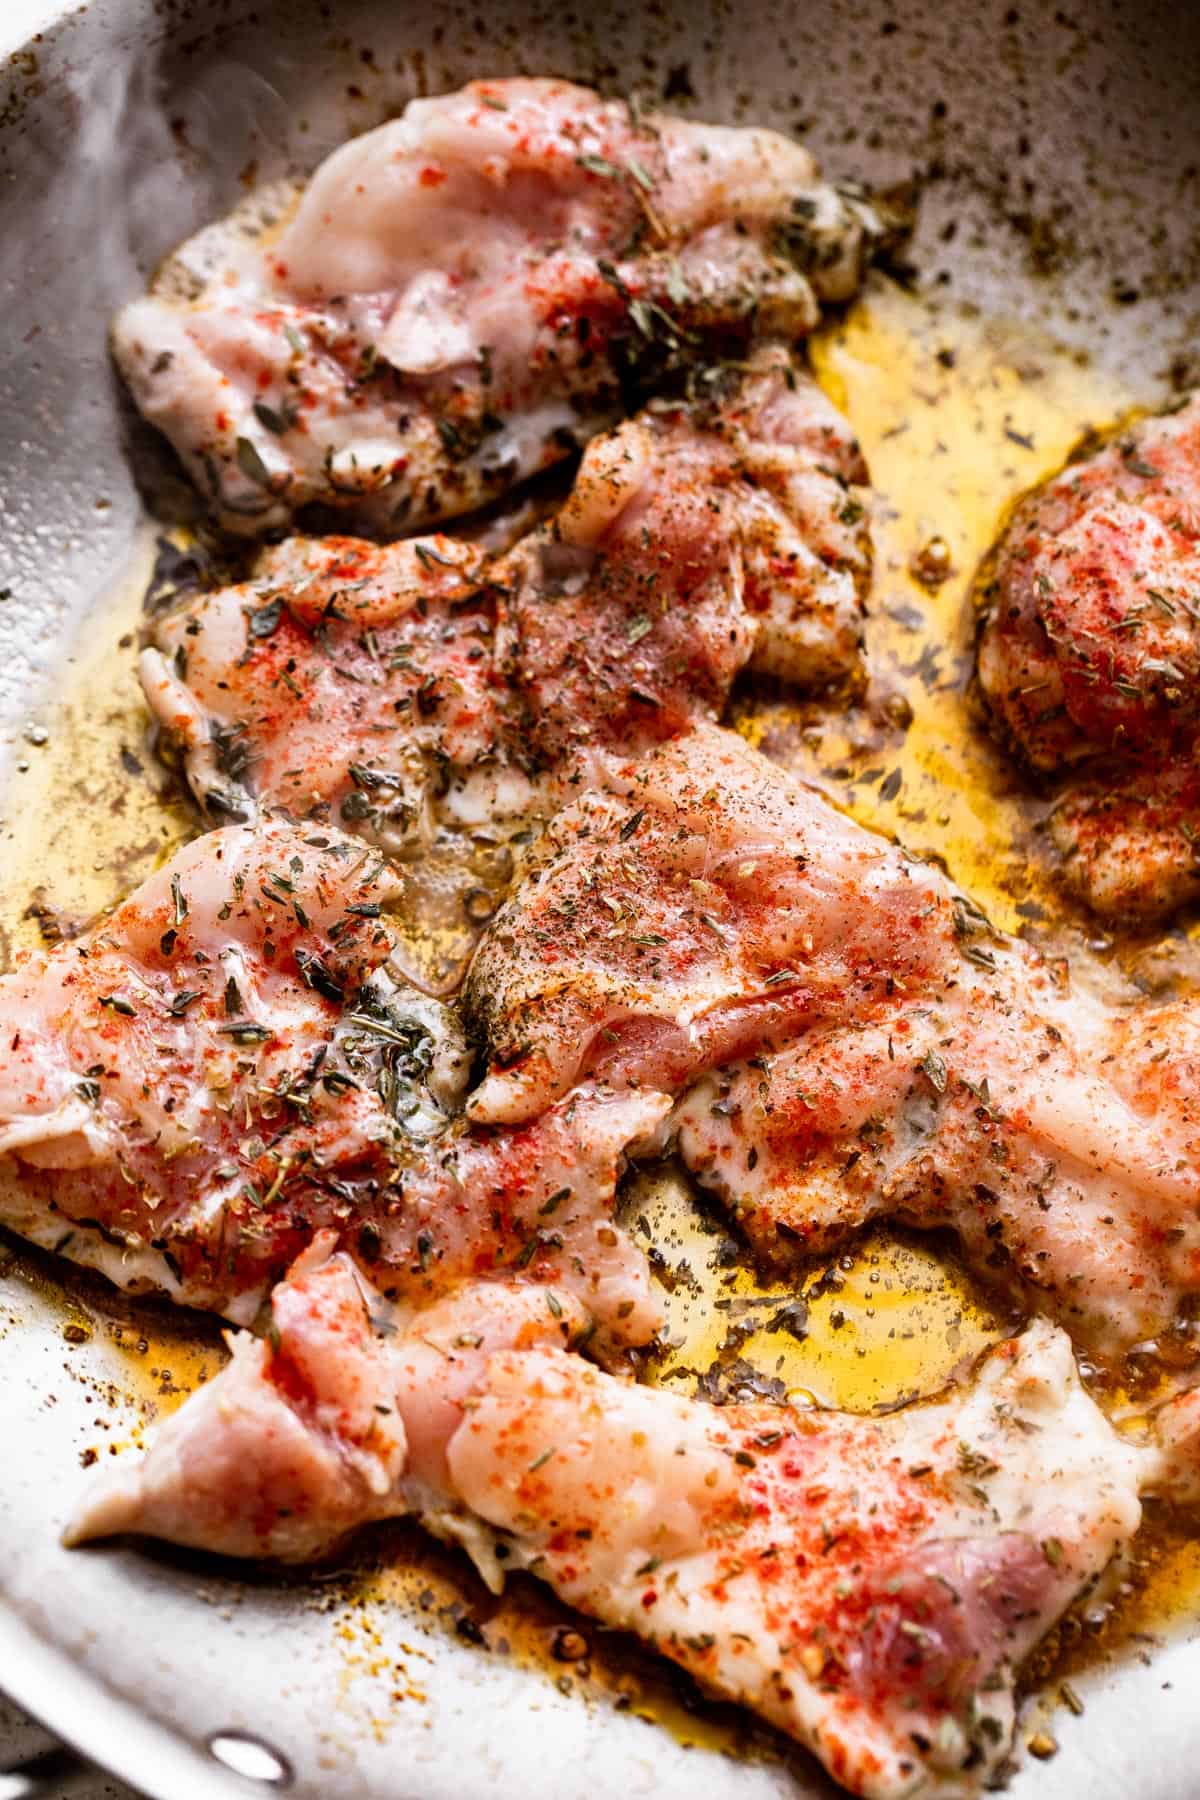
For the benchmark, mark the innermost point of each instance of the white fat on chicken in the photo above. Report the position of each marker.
(462, 296)
(868, 1584)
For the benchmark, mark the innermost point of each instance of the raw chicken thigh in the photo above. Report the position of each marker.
(333, 683)
(295, 1443)
(404, 688)
(1001, 1118)
(232, 1061)
(698, 540)
(304, 1435)
(234, 1090)
(466, 294)
(855, 1039)
(229, 1062)
(698, 904)
(1089, 656)
(869, 1584)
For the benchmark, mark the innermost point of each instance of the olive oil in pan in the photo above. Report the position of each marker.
(89, 811)
(888, 1319)
(402, 1572)
(137, 1359)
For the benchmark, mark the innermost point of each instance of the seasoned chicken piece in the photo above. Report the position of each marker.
(534, 1203)
(1090, 649)
(848, 1038)
(295, 1443)
(1129, 835)
(1090, 640)
(869, 1584)
(466, 294)
(227, 1063)
(302, 1437)
(697, 539)
(699, 904)
(996, 1108)
(402, 687)
(346, 680)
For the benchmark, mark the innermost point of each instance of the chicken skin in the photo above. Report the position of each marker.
(847, 1038)
(420, 686)
(868, 1584)
(1088, 656)
(304, 1436)
(228, 1063)
(466, 294)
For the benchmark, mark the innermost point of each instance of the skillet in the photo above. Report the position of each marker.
(1068, 138)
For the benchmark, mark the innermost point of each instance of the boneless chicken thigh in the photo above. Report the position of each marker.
(1089, 655)
(327, 1422)
(698, 902)
(868, 1584)
(464, 295)
(848, 1038)
(994, 1109)
(421, 685)
(230, 1061)
(295, 1443)
(333, 684)
(698, 540)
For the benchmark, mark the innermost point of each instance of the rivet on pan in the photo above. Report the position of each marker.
(250, 1757)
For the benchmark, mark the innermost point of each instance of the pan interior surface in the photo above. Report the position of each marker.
(1055, 282)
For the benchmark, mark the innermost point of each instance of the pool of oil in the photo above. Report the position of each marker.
(90, 811)
(887, 1320)
(958, 414)
(403, 1569)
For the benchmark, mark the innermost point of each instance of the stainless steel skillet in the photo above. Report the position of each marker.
(123, 126)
